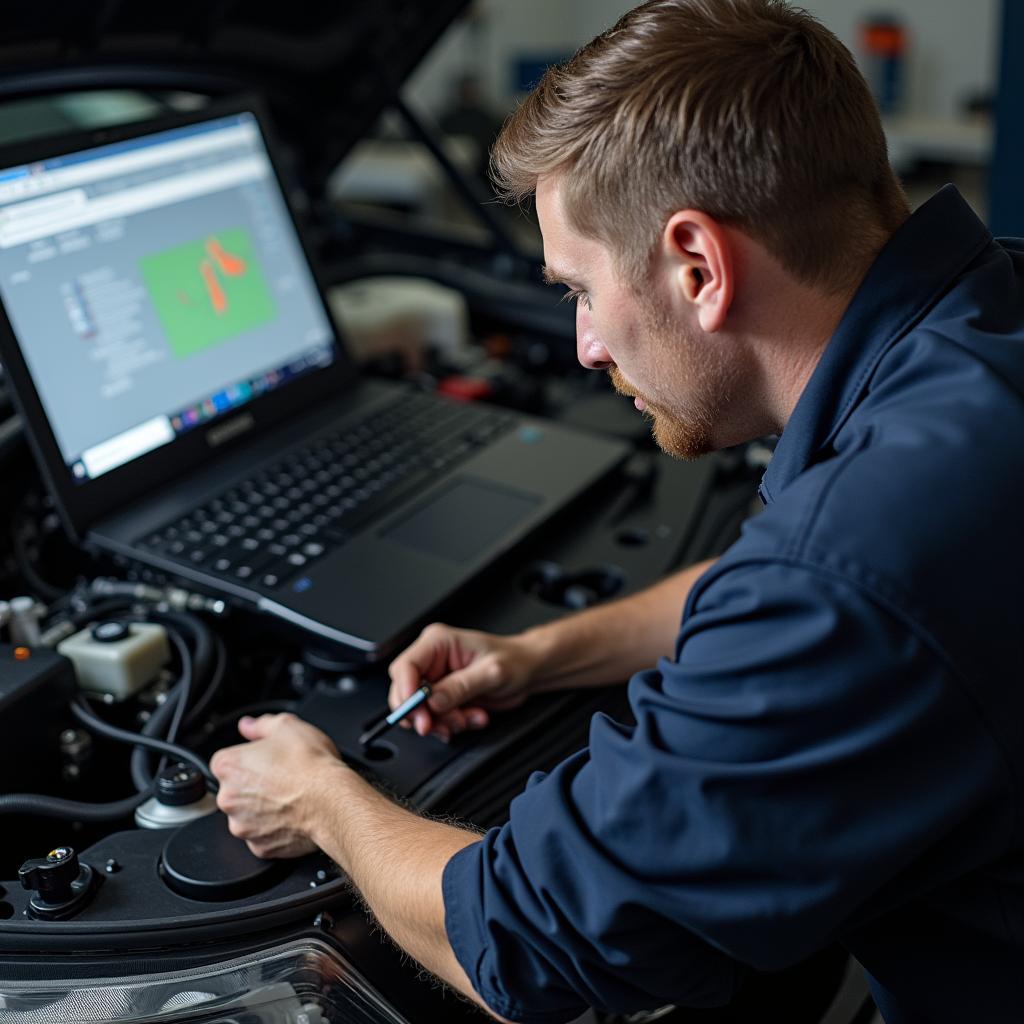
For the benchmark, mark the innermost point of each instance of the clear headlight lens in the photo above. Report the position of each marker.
(302, 982)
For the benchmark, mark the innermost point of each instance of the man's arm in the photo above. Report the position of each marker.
(395, 858)
(788, 776)
(474, 673)
(610, 642)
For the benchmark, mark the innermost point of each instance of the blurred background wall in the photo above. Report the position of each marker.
(938, 124)
(951, 45)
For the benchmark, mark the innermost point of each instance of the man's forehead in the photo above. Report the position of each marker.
(548, 195)
(570, 257)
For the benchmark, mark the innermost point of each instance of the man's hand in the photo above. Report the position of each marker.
(286, 792)
(472, 674)
(270, 787)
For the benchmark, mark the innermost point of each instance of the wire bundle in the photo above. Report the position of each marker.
(202, 659)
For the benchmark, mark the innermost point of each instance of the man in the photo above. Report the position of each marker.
(831, 744)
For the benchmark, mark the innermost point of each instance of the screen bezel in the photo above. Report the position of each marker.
(83, 503)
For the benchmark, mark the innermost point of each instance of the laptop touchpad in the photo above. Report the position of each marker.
(463, 520)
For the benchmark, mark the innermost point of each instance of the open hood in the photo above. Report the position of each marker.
(326, 70)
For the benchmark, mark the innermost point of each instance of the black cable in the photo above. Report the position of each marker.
(182, 691)
(168, 719)
(213, 688)
(204, 640)
(157, 725)
(142, 774)
(39, 586)
(183, 685)
(41, 806)
(84, 714)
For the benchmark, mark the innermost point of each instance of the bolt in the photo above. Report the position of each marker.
(323, 921)
(112, 867)
(75, 744)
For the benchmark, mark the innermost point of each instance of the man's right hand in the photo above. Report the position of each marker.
(472, 674)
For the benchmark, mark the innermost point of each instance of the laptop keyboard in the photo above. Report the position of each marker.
(273, 525)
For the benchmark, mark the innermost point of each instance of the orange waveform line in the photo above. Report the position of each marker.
(217, 296)
(233, 266)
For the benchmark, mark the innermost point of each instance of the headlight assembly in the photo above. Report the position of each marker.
(301, 982)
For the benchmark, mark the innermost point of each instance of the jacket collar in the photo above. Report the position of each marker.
(912, 271)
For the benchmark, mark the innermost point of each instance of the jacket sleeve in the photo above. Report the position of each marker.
(805, 762)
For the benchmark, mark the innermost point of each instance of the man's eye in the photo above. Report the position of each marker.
(577, 296)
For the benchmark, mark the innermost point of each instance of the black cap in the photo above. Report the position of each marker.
(110, 631)
(179, 784)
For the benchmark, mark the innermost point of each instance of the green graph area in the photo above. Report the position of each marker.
(207, 291)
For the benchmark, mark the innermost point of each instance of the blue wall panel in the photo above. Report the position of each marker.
(1007, 175)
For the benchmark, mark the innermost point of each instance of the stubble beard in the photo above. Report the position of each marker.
(702, 382)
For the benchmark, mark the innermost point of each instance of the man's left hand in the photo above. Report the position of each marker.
(269, 786)
(286, 792)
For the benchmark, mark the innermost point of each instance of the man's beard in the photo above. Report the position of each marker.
(702, 388)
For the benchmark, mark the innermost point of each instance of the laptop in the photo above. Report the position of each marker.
(194, 409)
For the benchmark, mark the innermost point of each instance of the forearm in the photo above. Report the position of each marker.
(609, 643)
(396, 860)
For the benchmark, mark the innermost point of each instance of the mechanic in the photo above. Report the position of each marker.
(831, 745)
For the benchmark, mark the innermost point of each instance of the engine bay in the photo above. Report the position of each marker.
(115, 691)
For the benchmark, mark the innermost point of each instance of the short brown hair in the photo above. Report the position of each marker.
(748, 110)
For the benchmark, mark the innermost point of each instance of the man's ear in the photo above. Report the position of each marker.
(699, 254)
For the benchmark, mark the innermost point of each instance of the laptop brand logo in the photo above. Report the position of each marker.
(226, 431)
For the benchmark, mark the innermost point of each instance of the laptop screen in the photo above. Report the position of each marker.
(154, 285)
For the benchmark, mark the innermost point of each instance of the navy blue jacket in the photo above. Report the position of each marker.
(836, 752)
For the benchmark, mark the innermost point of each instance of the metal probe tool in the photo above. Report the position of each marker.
(403, 709)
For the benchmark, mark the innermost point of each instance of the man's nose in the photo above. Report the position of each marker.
(589, 350)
